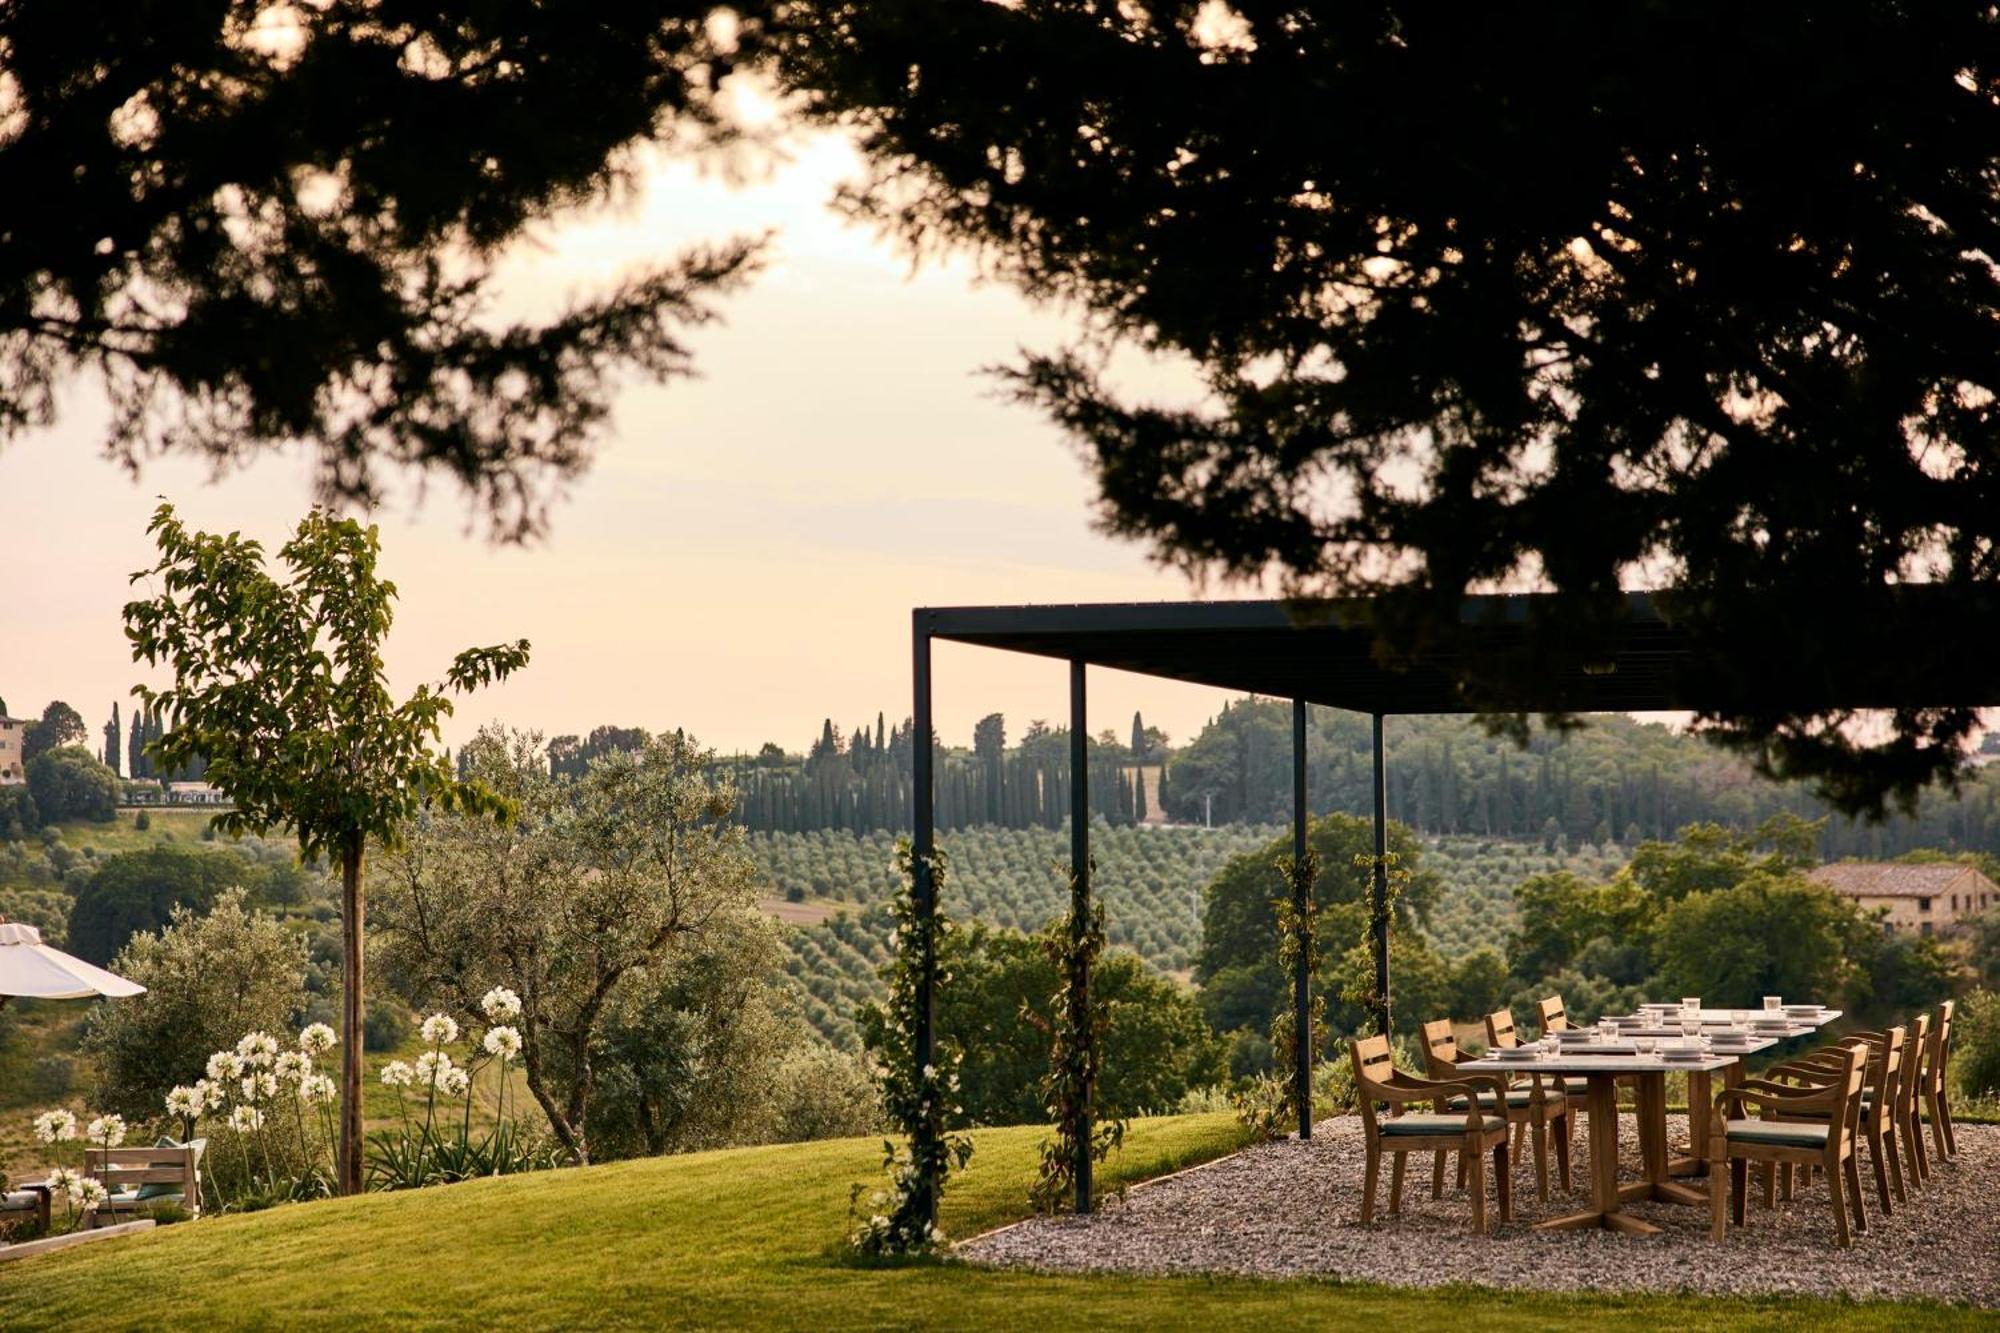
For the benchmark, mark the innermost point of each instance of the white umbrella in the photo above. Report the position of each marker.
(33, 970)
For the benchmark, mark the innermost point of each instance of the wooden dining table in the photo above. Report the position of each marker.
(1601, 1073)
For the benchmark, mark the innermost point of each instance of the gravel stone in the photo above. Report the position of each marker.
(1291, 1209)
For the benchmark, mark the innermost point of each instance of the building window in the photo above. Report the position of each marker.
(1923, 904)
(1954, 902)
(1926, 928)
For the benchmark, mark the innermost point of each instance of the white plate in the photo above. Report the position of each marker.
(1805, 1010)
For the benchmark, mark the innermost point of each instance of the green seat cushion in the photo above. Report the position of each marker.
(1436, 1124)
(1518, 1097)
(1777, 1133)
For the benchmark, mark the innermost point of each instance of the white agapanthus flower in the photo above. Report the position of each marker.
(292, 1065)
(107, 1131)
(244, 1119)
(259, 1086)
(500, 1004)
(55, 1126)
(212, 1094)
(454, 1082)
(440, 1029)
(432, 1066)
(225, 1066)
(315, 1089)
(258, 1048)
(502, 1042)
(398, 1074)
(317, 1039)
(90, 1193)
(63, 1180)
(186, 1102)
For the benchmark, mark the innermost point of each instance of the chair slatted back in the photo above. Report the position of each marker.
(1500, 1034)
(1440, 1047)
(1911, 1082)
(1374, 1066)
(1885, 1069)
(1937, 1054)
(1849, 1120)
(1555, 1018)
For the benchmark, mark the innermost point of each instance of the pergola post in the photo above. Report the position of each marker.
(1380, 905)
(923, 841)
(1302, 1042)
(1079, 905)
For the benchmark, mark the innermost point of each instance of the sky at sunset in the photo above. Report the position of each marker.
(742, 558)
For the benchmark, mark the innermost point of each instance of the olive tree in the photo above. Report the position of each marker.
(209, 979)
(602, 883)
(278, 686)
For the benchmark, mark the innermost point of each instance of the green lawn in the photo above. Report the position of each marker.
(746, 1238)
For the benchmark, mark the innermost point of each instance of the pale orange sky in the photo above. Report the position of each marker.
(742, 558)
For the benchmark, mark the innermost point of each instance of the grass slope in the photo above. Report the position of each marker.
(743, 1238)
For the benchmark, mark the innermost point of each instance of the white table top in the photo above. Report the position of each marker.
(1627, 1031)
(1567, 1063)
(1720, 1016)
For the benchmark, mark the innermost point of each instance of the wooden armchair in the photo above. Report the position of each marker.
(1541, 1110)
(1500, 1032)
(1736, 1141)
(1472, 1133)
(1904, 1119)
(1881, 1083)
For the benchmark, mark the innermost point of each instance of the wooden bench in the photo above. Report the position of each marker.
(118, 1168)
(28, 1203)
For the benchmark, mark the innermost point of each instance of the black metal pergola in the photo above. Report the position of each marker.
(1326, 654)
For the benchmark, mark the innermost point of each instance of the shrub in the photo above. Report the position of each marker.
(142, 821)
(1976, 1044)
(386, 1025)
(824, 1094)
(18, 815)
(71, 783)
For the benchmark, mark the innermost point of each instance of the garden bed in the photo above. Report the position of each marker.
(1290, 1209)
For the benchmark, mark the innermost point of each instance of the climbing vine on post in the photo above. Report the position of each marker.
(1076, 1031)
(1298, 935)
(920, 1101)
(1381, 919)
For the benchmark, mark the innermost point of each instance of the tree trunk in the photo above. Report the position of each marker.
(351, 1036)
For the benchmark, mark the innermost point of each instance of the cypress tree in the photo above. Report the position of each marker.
(112, 744)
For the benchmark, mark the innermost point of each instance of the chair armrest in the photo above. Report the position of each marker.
(1762, 1092)
(1804, 1068)
(1408, 1088)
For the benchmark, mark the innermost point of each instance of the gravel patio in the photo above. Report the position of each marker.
(1289, 1209)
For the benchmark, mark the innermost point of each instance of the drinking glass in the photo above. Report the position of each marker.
(1773, 1002)
(1691, 1004)
(1690, 1025)
(1643, 1045)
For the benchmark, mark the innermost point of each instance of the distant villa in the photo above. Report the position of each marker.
(1931, 898)
(12, 732)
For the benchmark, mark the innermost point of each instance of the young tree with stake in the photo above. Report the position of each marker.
(279, 687)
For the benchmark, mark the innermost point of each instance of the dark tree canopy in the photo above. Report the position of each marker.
(134, 892)
(1680, 296)
(274, 223)
(59, 725)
